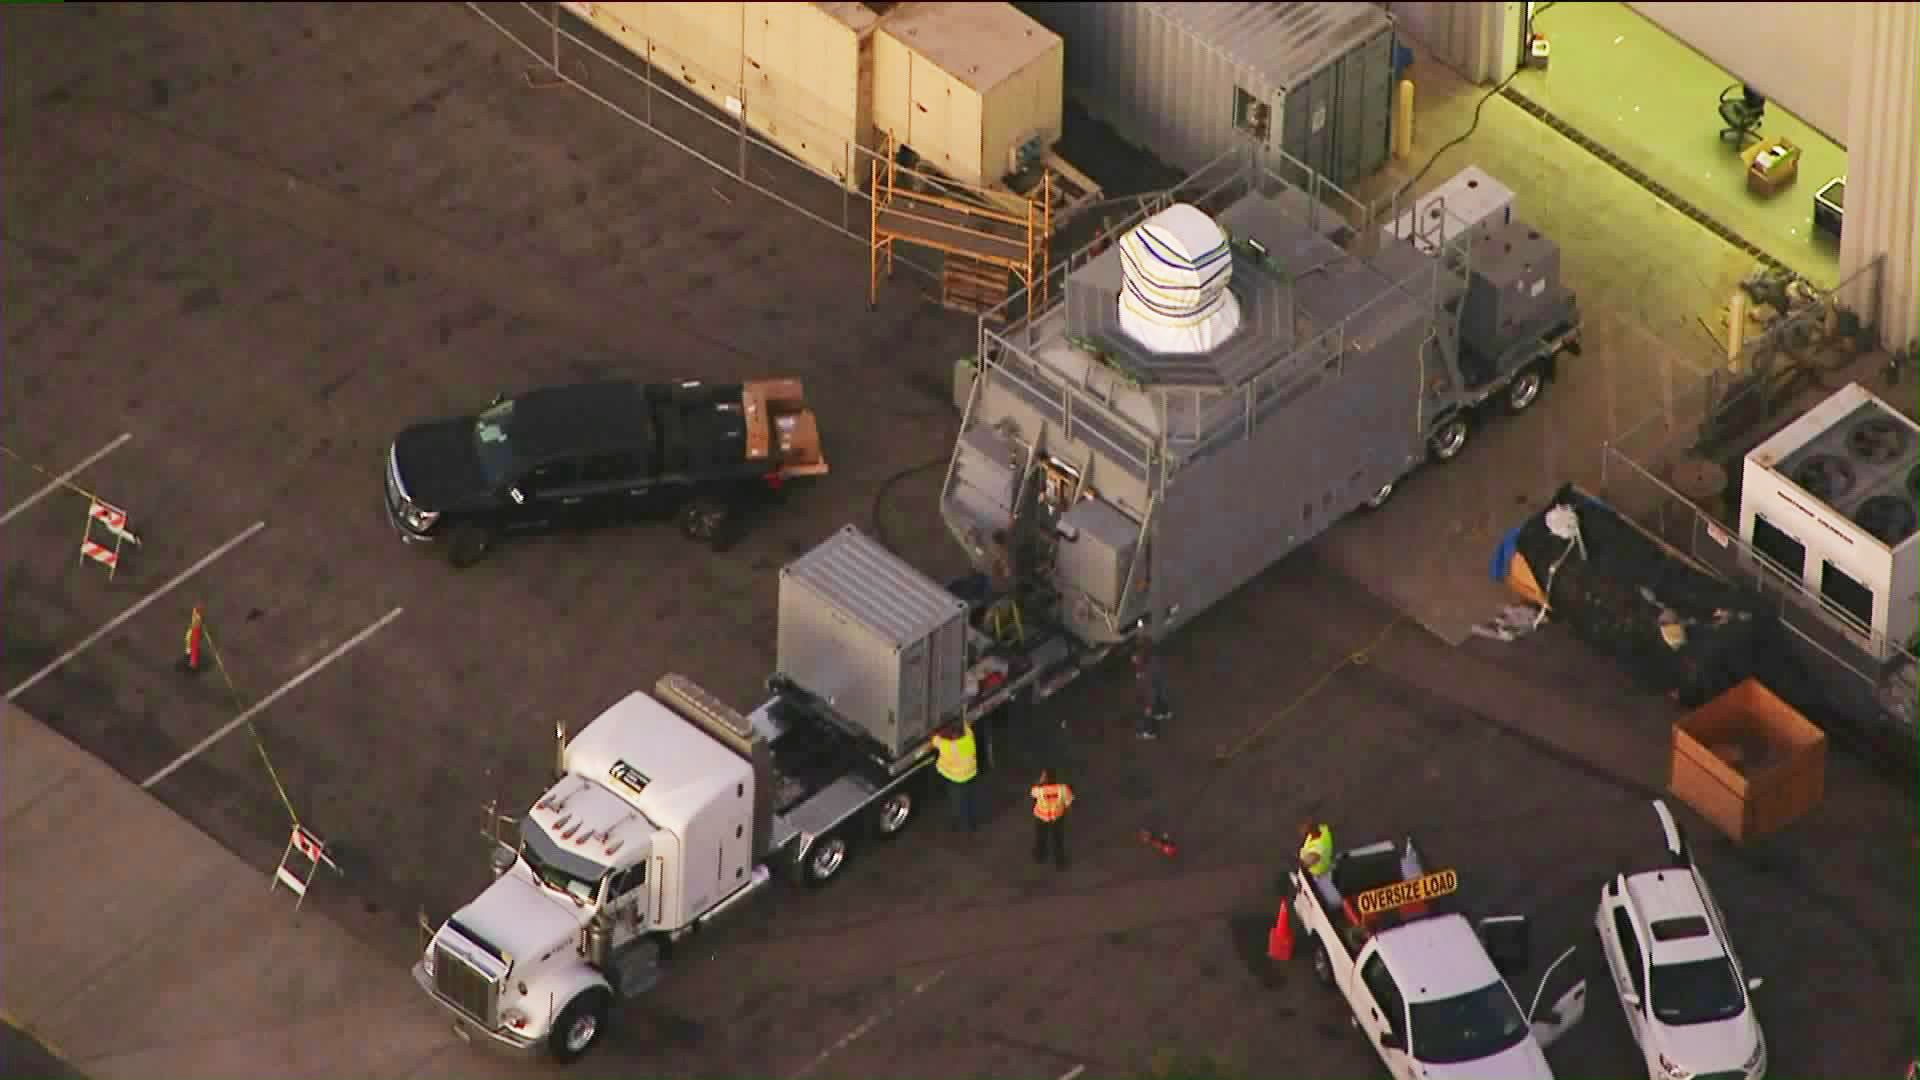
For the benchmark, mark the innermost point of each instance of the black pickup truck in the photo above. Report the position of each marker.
(586, 454)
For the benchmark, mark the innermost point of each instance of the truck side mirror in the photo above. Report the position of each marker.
(497, 399)
(1755, 984)
(1630, 999)
(1392, 1041)
(503, 859)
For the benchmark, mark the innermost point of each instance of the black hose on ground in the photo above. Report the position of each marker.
(886, 488)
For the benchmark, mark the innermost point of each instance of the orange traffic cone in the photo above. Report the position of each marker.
(1280, 938)
(189, 662)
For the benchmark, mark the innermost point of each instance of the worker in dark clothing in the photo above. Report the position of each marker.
(1000, 563)
(1051, 798)
(1151, 689)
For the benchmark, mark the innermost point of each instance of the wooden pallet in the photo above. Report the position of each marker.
(972, 286)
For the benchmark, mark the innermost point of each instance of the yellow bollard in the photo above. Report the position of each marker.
(1403, 120)
(1736, 329)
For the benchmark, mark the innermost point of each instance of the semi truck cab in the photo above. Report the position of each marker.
(648, 833)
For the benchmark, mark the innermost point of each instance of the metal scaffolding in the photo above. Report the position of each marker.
(986, 246)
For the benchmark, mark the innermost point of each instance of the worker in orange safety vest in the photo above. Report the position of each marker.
(1051, 798)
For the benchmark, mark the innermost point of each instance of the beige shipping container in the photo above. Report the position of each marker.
(967, 84)
(802, 72)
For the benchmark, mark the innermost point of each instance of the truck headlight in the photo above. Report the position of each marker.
(417, 519)
(1674, 1072)
(515, 1018)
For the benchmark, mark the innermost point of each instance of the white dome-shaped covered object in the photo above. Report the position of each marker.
(1176, 266)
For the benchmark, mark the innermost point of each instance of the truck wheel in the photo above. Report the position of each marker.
(705, 519)
(579, 1026)
(1525, 389)
(1380, 496)
(1449, 439)
(1322, 963)
(468, 545)
(825, 859)
(893, 813)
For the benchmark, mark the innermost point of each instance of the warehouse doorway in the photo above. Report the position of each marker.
(1647, 103)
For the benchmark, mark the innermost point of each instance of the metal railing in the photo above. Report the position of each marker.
(1008, 349)
(1711, 412)
(635, 86)
(1843, 637)
(1709, 401)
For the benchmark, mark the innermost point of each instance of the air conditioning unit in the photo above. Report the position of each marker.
(1833, 500)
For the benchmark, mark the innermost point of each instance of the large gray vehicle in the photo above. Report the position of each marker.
(1149, 485)
(1141, 487)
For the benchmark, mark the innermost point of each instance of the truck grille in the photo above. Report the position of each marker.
(460, 983)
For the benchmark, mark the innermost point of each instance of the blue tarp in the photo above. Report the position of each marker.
(1503, 555)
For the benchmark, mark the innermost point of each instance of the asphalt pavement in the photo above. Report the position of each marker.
(259, 241)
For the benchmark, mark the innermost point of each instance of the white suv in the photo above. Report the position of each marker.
(1679, 983)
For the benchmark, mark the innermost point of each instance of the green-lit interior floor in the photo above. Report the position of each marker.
(1629, 86)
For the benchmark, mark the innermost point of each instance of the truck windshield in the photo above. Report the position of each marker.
(557, 868)
(490, 442)
(1696, 992)
(1466, 1027)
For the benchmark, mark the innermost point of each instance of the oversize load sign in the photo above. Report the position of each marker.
(1386, 898)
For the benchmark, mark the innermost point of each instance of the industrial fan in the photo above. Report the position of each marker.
(1825, 477)
(1887, 518)
(1881, 440)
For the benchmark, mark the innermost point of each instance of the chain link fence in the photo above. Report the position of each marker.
(1676, 470)
(631, 79)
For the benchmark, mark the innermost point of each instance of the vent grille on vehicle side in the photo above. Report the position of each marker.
(464, 986)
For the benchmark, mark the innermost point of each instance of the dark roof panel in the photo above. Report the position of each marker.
(563, 420)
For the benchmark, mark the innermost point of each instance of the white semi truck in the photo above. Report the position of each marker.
(1421, 980)
(672, 808)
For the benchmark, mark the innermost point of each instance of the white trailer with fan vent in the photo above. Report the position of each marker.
(1830, 501)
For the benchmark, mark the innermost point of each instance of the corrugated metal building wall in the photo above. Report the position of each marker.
(1883, 139)
(1190, 81)
(1479, 40)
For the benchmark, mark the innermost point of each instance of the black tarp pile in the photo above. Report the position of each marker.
(1675, 628)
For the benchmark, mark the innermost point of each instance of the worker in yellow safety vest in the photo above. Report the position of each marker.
(1316, 854)
(1051, 798)
(958, 762)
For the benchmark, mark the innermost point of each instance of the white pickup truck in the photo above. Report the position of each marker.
(1418, 976)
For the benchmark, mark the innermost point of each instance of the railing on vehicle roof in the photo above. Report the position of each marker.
(1213, 187)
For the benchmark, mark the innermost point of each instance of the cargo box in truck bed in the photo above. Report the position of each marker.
(874, 639)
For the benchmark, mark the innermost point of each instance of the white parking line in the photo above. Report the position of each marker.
(261, 706)
(61, 481)
(114, 623)
(1073, 1073)
(850, 1037)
